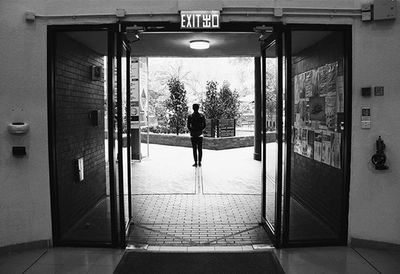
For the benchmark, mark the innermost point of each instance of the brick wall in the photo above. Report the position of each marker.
(76, 95)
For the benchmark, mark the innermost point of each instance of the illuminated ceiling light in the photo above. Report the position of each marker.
(199, 44)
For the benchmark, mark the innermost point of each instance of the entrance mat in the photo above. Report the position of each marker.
(160, 262)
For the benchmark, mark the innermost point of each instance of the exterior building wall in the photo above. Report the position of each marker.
(25, 197)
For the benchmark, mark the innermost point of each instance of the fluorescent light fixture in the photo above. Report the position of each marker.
(199, 44)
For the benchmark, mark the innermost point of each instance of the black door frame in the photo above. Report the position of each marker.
(347, 35)
(273, 230)
(114, 35)
(112, 52)
(121, 46)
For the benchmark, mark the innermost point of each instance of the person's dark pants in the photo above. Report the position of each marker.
(197, 145)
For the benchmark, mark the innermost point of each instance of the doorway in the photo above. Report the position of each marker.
(305, 162)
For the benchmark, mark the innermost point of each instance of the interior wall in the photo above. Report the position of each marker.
(76, 95)
(319, 186)
(25, 197)
(374, 195)
(24, 182)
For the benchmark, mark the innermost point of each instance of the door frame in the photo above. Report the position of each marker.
(121, 46)
(114, 34)
(52, 31)
(347, 51)
(274, 231)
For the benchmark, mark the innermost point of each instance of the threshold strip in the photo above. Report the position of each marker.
(199, 181)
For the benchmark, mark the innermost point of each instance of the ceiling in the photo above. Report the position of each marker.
(176, 44)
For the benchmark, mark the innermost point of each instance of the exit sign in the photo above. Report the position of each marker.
(200, 19)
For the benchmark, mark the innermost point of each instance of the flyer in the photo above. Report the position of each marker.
(296, 89)
(340, 94)
(317, 145)
(310, 144)
(326, 148)
(330, 112)
(335, 149)
(296, 141)
(310, 83)
(317, 109)
(300, 86)
(327, 75)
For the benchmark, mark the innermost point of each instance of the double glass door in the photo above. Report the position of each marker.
(306, 132)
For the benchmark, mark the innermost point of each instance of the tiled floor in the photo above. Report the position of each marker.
(294, 261)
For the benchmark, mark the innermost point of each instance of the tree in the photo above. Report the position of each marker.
(177, 105)
(210, 105)
(270, 88)
(229, 102)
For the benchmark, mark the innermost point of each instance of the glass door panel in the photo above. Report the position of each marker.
(272, 135)
(126, 157)
(123, 126)
(317, 188)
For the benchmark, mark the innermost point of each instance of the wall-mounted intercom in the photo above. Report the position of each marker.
(96, 73)
(366, 117)
(80, 170)
(94, 116)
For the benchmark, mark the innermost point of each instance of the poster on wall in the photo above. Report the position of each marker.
(300, 86)
(327, 75)
(135, 90)
(310, 83)
(317, 109)
(340, 94)
(296, 89)
(330, 112)
(326, 148)
(296, 140)
(335, 149)
(310, 144)
(304, 111)
(317, 145)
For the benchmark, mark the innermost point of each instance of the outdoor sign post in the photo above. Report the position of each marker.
(200, 19)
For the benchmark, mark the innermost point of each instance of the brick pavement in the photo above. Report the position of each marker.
(197, 220)
(217, 204)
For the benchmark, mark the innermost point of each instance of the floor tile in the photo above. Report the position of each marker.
(101, 269)
(9, 268)
(385, 261)
(24, 257)
(67, 258)
(322, 255)
(316, 268)
(57, 269)
(108, 259)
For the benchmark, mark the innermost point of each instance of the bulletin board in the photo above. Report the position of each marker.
(318, 111)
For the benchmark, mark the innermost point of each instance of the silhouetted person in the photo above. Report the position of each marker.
(196, 123)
